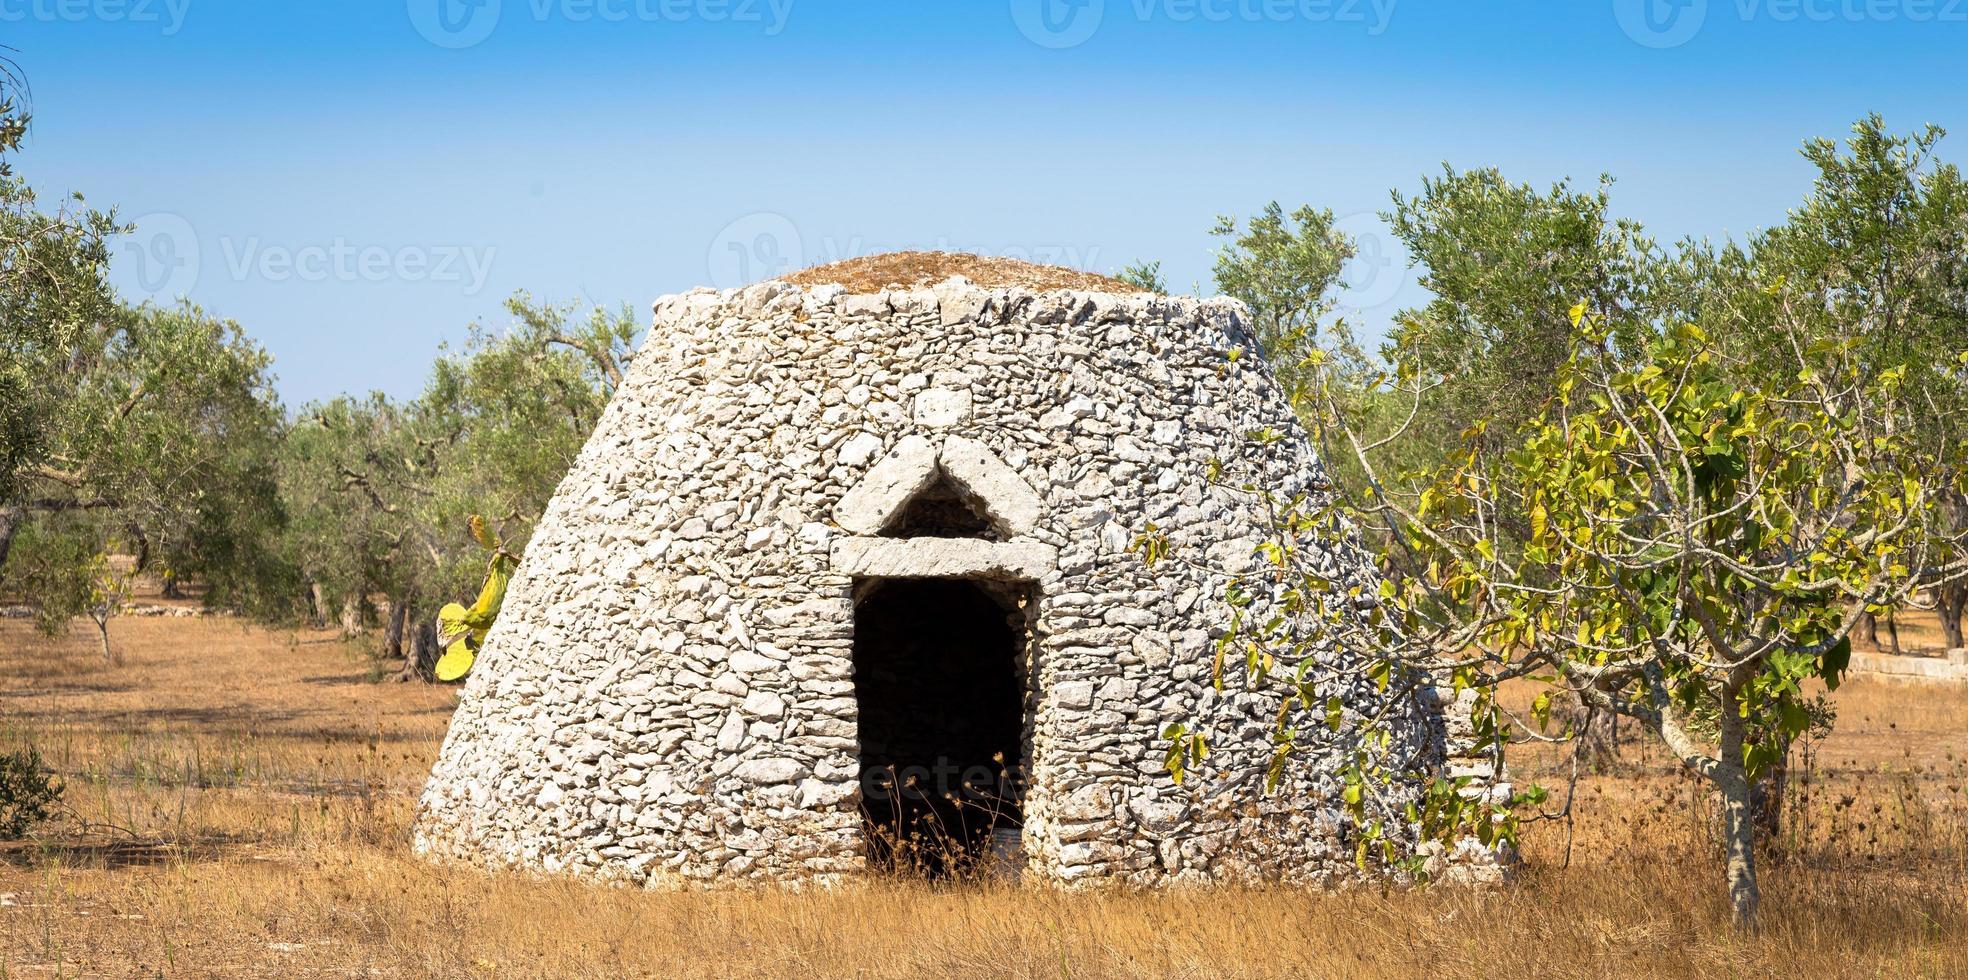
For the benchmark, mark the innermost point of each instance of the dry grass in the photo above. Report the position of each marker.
(909, 270)
(259, 785)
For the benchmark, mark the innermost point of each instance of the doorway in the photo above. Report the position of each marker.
(939, 680)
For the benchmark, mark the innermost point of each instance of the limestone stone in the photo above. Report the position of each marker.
(940, 408)
(943, 558)
(881, 494)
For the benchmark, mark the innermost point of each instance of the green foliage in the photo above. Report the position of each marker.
(1285, 270)
(28, 792)
(147, 428)
(1504, 262)
(54, 293)
(160, 436)
(61, 565)
(1145, 276)
(1570, 481)
(374, 489)
(1186, 751)
(1695, 547)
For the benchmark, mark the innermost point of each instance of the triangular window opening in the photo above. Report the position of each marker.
(942, 510)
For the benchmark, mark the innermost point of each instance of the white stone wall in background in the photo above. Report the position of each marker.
(668, 695)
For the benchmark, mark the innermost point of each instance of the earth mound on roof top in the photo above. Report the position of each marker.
(912, 270)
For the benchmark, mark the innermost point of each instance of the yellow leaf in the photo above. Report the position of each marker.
(456, 662)
(476, 525)
(451, 622)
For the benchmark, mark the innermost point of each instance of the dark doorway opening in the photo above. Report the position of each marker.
(938, 679)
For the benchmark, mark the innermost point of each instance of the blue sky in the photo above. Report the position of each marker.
(357, 180)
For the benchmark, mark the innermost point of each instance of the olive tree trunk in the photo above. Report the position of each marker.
(101, 621)
(1954, 601)
(1597, 733)
(317, 605)
(399, 615)
(421, 653)
(10, 521)
(351, 617)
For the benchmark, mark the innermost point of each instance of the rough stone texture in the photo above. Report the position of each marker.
(668, 696)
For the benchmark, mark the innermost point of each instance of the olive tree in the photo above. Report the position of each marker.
(381, 492)
(144, 430)
(54, 294)
(1877, 251)
(1284, 268)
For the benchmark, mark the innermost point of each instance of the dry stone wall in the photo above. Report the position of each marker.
(669, 698)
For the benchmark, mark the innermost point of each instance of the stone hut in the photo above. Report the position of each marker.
(846, 565)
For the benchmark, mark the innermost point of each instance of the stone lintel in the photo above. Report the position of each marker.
(943, 558)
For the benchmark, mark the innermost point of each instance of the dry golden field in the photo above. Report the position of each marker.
(241, 800)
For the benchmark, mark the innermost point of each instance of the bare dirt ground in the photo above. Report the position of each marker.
(241, 799)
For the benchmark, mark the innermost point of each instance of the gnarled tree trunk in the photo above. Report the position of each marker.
(420, 658)
(399, 614)
(10, 521)
(1597, 734)
(351, 617)
(1868, 630)
(317, 605)
(1954, 602)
